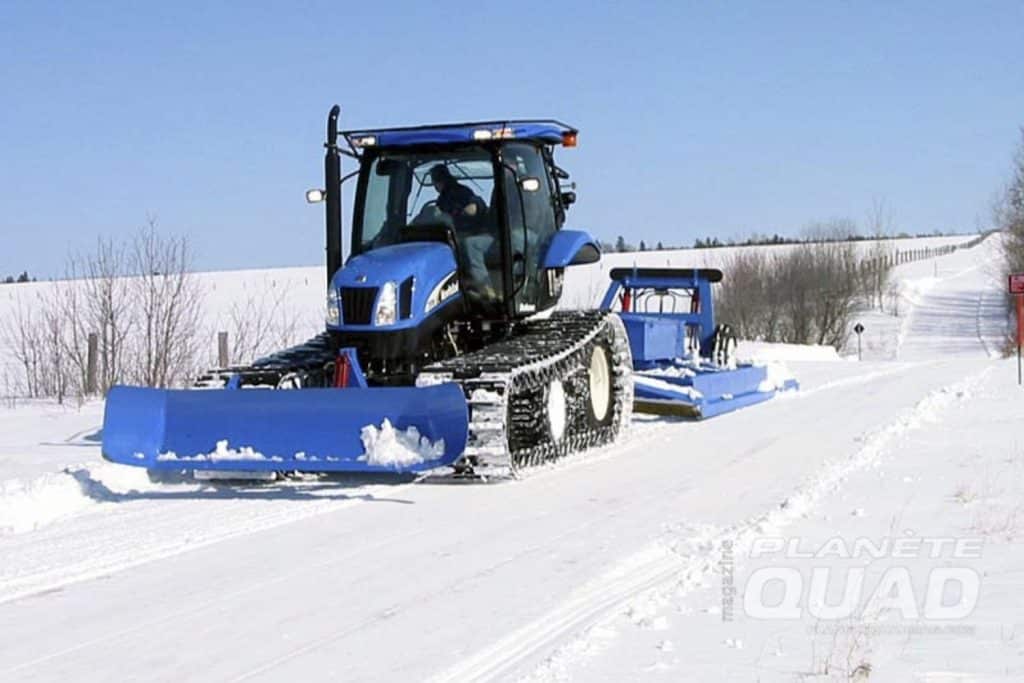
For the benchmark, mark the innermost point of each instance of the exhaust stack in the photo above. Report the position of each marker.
(332, 186)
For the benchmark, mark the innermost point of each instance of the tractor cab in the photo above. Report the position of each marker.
(457, 234)
(491, 191)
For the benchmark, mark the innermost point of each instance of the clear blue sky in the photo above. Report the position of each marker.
(696, 118)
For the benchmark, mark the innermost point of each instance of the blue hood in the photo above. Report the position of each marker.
(428, 263)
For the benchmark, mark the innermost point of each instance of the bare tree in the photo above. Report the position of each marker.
(57, 373)
(100, 301)
(834, 270)
(12, 387)
(743, 297)
(1009, 213)
(21, 335)
(876, 265)
(806, 294)
(262, 323)
(143, 303)
(167, 300)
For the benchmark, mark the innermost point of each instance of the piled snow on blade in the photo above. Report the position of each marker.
(222, 452)
(390, 447)
(682, 370)
(683, 391)
(778, 378)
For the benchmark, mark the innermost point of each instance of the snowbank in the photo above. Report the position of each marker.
(766, 352)
(26, 505)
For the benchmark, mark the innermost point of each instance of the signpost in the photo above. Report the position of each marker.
(859, 329)
(1017, 290)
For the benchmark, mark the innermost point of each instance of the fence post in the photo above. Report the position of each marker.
(222, 349)
(91, 363)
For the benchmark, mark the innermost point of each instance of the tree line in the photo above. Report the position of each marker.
(137, 299)
(146, 313)
(620, 245)
(1009, 216)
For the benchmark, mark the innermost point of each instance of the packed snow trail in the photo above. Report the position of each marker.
(959, 315)
(364, 580)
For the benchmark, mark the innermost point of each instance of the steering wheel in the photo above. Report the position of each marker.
(432, 213)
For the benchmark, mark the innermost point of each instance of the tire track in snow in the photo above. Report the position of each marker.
(675, 567)
(167, 617)
(855, 380)
(124, 551)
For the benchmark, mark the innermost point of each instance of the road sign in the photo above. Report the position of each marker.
(1017, 283)
(858, 328)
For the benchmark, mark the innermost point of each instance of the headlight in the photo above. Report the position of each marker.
(387, 304)
(445, 289)
(333, 307)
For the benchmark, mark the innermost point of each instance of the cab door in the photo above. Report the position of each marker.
(532, 221)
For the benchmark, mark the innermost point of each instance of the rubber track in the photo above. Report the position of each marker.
(308, 359)
(506, 387)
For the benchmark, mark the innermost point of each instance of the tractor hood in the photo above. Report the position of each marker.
(424, 277)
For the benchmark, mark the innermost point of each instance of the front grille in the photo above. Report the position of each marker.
(405, 299)
(357, 305)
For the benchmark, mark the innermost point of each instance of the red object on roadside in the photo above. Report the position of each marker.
(1020, 318)
(1016, 286)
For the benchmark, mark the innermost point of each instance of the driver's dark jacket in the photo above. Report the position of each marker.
(454, 200)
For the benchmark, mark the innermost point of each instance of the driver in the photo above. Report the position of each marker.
(467, 211)
(455, 199)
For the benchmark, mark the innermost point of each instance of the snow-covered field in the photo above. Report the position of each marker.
(897, 480)
(289, 302)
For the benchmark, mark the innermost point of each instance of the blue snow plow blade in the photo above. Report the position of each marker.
(307, 430)
(704, 391)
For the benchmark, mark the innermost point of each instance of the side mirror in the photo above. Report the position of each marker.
(568, 198)
(315, 196)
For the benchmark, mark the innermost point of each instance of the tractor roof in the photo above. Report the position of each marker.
(548, 132)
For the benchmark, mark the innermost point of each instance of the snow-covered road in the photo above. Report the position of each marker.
(355, 579)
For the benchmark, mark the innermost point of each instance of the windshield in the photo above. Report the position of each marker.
(403, 189)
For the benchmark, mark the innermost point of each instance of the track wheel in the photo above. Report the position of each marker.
(600, 386)
(557, 410)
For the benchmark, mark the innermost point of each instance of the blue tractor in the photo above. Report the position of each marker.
(442, 345)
